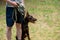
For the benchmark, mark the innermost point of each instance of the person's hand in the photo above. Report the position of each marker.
(14, 4)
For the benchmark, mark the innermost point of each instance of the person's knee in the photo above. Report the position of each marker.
(9, 28)
(18, 25)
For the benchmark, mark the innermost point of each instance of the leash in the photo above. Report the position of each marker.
(14, 14)
(16, 10)
(21, 9)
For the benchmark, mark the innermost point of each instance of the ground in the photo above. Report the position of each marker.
(47, 26)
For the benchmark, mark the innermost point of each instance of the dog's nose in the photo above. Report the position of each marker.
(35, 19)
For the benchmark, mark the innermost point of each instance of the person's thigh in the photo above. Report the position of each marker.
(9, 20)
(20, 18)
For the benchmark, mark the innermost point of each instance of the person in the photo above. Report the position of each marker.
(10, 4)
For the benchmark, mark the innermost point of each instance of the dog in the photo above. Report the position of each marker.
(25, 28)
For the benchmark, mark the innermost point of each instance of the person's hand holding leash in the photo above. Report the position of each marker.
(13, 3)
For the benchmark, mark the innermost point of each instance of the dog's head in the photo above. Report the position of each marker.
(30, 18)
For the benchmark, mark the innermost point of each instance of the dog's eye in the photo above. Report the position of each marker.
(30, 17)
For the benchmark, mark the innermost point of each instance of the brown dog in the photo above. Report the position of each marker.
(25, 28)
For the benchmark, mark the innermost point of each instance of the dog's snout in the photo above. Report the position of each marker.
(35, 19)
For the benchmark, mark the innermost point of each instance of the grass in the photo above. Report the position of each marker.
(47, 26)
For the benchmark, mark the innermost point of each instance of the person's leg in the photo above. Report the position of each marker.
(8, 33)
(9, 22)
(19, 25)
(19, 31)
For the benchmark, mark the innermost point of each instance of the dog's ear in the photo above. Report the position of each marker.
(27, 13)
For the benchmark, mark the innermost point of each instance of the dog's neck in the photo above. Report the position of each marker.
(26, 20)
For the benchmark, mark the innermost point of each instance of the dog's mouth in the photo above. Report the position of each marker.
(34, 20)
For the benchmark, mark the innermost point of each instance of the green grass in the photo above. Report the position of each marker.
(47, 26)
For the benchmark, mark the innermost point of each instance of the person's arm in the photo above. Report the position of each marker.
(13, 3)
